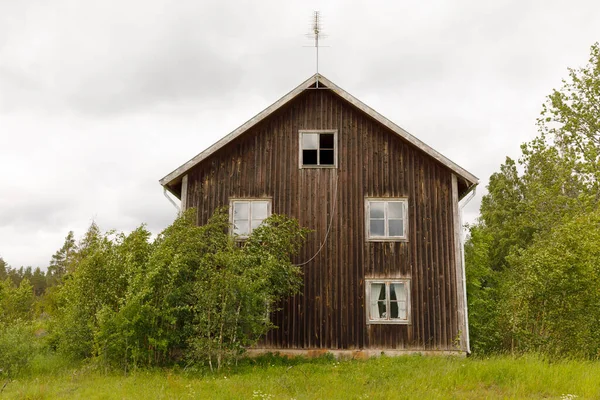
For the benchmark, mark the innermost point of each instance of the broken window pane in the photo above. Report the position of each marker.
(395, 209)
(310, 141)
(309, 157)
(326, 141)
(377, 227)
(376, 209)
(396, 227)
(326, 157)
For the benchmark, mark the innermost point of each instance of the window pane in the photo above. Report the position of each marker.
(381, 310)
(309, 157)
(310, 141)
(240, 210)
(259, 210)
(376, 209)
(326, 140)
(396, 227)
(394, 309)
(398, 291)
(377, 291)
(398, 309)
(377, 296)
(377, 227)
(256, 223)
(395, 209)
(240, 227)
(326, 157)
(402, 310)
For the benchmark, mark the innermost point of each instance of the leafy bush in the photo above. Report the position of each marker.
(555, 296)
(18, 346)
(194, 293)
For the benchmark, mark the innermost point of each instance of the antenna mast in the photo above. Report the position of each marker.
(316, 33)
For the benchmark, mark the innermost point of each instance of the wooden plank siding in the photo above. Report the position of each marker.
(330, 313)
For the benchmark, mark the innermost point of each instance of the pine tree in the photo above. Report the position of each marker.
(59, 265)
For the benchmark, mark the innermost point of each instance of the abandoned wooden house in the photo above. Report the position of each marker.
(388, 274)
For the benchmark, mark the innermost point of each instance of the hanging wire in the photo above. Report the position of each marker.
(337, 178)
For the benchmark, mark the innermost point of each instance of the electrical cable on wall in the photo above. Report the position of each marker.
(330, 224)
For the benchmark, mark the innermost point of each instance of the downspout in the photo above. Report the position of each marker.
(464, 275)
(171, 200)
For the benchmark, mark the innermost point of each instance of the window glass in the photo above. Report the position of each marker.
(377, 227)
(388, 309)
(386, 219)
(240, 210)
(310, 141)
(377, 300)
(395, 228)
(248, 215)
(240, 227)
(259, 210)
(395, 209)
(376, 209)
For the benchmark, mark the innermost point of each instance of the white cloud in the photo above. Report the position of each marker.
(98, 100)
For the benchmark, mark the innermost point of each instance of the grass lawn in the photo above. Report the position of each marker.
(411, 377)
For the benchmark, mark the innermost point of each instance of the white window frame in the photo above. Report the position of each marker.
(386, 237)
(247, 200)
(318, 131)
(387, 283)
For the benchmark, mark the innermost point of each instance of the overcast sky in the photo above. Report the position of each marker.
(100, 99)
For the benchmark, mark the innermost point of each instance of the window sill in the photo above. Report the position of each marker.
(384, 239)
(318, 166)
(388, 322)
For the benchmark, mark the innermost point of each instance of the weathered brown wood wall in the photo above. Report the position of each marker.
(374, 162)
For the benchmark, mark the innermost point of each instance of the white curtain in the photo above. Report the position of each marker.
(377, 292)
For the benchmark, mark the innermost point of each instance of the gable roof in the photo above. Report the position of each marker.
(174, 177)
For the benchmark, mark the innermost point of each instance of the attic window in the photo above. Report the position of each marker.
(247, 215)
(388, 301)
(318, 149)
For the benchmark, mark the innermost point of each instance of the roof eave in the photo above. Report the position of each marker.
(239, 131)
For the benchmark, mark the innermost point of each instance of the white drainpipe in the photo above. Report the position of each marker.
(171, 200)
(464, 276)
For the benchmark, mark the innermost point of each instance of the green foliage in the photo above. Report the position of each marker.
(16, 303)
(194, 293)
(62, 260)
(514, 257)
(555, 296)
(18, 346)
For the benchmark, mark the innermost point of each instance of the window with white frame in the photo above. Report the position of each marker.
(388, 301)
(386, 219)
(247, 215)
(318, 149)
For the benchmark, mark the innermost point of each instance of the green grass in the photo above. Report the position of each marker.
(407, 377)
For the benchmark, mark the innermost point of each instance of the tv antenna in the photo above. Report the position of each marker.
(315, 33)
